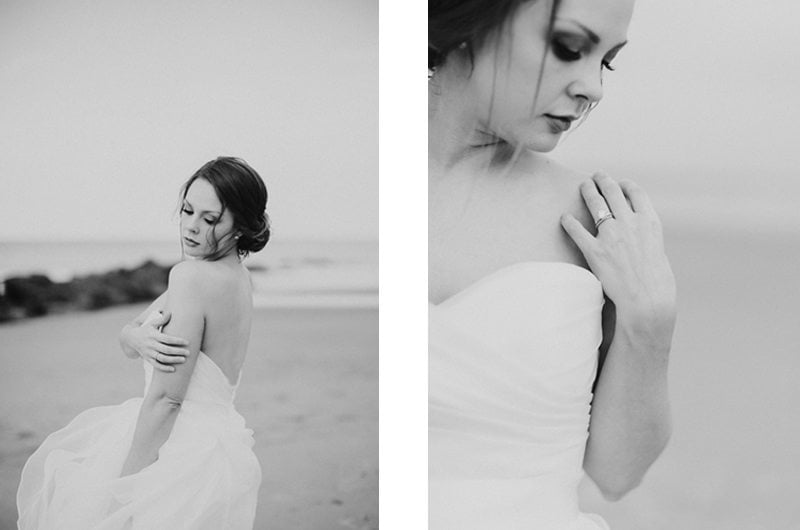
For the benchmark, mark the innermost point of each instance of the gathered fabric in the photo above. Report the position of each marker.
(206, 475)
(512, 359)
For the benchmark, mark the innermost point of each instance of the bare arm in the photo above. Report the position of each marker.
(125, 339)
(162, 403)
(630, 420)
(148, 342)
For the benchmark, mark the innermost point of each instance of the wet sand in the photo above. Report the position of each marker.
(309, 391)
(734, 459)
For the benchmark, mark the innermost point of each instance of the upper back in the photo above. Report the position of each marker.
(227, 311)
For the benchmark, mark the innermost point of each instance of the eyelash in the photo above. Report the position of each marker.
(564, 53)
(190, 212)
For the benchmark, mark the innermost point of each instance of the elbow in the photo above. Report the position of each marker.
(125, 342)
(615, 488)
(166, 401)
(172, 402)
(614, 483)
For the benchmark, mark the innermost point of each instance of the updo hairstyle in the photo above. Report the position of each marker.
(240, 190)
(465, 25)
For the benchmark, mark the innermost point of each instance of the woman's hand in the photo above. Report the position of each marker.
(627, 255)
(157, 348)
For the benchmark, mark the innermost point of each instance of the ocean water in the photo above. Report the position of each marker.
(285, 273)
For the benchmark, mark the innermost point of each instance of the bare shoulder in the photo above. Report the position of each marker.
(208, 278)
(186, 285)
(188, 273)
(196, 279)
(568, 177)
(567, 182)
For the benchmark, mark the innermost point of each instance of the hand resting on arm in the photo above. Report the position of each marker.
(162, 404)
(630, 417)
(143, 338)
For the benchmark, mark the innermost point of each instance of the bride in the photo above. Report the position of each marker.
(552, 303)
(181, 456)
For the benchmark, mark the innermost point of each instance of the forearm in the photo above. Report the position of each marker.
(153, 427)
(630, 420)
(125, 341)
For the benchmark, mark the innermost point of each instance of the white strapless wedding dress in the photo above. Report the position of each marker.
(511, 364)
(206, 476)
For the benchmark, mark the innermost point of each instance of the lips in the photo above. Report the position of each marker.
(559, 124)
(189, 241)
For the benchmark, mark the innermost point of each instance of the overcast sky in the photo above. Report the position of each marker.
(106, 108)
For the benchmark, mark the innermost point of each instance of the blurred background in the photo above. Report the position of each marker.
(106, 109)
(702, 112)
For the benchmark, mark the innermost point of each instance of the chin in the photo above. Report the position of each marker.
(539, 144)
(531, 138)
(193, 253)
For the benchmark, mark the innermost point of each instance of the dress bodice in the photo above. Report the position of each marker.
(208, 383)
(511, 364)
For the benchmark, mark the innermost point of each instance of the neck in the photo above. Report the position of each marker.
(455, 132)
(231, 258)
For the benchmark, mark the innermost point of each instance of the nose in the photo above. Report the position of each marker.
(588, 87)
(191, 225)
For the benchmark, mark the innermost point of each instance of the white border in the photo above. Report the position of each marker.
(403, 266)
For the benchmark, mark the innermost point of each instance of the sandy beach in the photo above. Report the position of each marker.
(733, 462)
(309, 391)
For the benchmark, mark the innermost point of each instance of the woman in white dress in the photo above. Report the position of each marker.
(552, 302)
(180, 457)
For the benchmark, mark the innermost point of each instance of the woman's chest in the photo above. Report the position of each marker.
(470, 235)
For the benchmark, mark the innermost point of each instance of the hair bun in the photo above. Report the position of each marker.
(241, 190)
(255, 237)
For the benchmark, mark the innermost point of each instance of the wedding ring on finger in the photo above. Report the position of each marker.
(602, 217)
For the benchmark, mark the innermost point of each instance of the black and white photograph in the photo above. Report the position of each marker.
(198, 197)
(189, 265)
(613, 240)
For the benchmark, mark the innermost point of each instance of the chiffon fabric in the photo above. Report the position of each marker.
(512, 359)
(206, 475)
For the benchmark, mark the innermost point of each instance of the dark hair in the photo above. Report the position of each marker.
(240, 189)
(453, 23)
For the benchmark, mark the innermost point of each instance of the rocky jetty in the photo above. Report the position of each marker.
(36, 295)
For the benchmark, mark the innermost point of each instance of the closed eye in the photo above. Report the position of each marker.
(564, 52)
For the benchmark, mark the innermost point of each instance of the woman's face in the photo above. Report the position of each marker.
(586, 36)
(203, 222)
